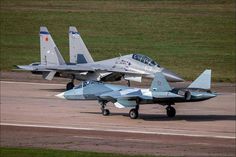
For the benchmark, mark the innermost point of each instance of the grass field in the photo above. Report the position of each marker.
(183, 35)
(33, 152)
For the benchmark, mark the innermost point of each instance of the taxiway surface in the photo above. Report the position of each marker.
(32, 116)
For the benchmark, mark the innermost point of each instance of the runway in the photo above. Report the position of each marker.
(30, 113)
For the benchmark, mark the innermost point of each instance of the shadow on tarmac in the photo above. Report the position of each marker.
(54, 90)
(196, 118)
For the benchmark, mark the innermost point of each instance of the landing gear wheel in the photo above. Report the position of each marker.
(70, 86)
(133, 113)
(105, 112)
(170, 111)
(128, 83)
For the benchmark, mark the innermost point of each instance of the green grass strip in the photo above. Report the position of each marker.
(36, 152)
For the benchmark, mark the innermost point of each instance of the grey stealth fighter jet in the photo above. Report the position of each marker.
(82, 66)
(128, 97)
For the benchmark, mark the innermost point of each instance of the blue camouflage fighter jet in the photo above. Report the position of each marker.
(160, 92)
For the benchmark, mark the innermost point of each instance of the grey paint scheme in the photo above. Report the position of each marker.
(159, 93)
(78, 50)
(52, 63)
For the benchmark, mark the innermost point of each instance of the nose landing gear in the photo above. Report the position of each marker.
(170, 111)
(105, 112)
(70, 85)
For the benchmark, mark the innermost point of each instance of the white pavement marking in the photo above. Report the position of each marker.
(116, 130)
(32, 83)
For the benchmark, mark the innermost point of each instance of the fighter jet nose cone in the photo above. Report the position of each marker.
(171, 76)
(61, 95)
(211, 95)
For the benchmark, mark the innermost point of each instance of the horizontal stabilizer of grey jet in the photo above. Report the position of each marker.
(48, 75)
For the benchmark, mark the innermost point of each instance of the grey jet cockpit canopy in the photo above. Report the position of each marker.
(85, 83)
(144, 59)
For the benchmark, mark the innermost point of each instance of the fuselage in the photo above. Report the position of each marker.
(92, 90)
(130, 67)
(134, 66)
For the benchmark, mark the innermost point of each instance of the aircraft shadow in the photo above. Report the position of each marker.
(195, 118)
(162, 117)
(53, 90)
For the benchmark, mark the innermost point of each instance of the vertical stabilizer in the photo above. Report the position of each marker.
(78, 51)
(203, 81)
(159, 83)
(49, 53)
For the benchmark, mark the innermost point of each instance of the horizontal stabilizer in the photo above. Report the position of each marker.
(203, 81)
(48, 75)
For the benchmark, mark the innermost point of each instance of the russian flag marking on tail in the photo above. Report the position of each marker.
(44, 32)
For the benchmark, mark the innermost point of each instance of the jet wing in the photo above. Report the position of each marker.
(124, 100)
(79, 67)
(93, 68)
(121, 101)
(75, 68)
(25, 67)
(30, 68)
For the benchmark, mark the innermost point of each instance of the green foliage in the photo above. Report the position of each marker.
(184, 36)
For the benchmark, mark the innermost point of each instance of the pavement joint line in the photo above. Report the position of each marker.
(33, 83)
(96, 125)
(117, 130)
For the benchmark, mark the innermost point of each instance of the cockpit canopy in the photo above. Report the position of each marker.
(85, 83)
(144, 59)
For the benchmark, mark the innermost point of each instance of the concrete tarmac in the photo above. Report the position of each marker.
(32, 116)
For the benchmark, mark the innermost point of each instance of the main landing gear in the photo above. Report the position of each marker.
(133, 113)
(170, 111)
(128, 83)
(105, 112)
(70, 85)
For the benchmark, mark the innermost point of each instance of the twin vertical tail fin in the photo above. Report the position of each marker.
(49, 53)
(79, 53)
(159, 83)
(203, 81)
